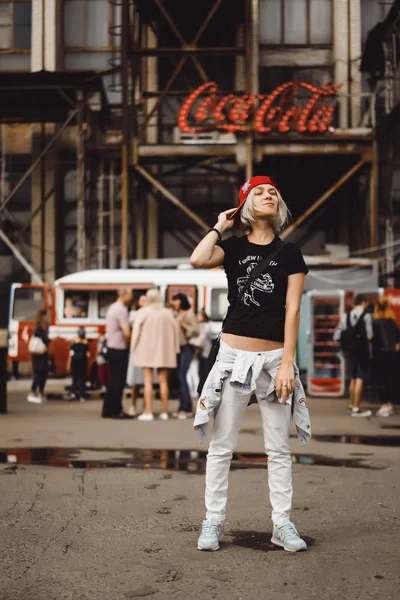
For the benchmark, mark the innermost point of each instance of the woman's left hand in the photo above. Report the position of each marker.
(284, 382)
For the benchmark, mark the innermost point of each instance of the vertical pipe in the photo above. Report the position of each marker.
(252, 63)
(125, 132)
(101, 215)
(80, 186)
(373, 198)
(111, 208)
(42, 201)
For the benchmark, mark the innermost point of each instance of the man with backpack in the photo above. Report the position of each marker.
(355, 333)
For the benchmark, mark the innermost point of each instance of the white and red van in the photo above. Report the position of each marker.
(82, 299)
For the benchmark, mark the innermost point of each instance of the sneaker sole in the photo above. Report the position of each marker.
(282, 545)
(361, 416)
(210, 549)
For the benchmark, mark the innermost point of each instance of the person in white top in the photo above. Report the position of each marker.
(202, 344)
(135, 376)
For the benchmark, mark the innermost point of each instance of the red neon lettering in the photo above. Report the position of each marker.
(277, 111)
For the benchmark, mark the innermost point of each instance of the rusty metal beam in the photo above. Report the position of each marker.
(39, 158)
(178, 34)
(20, 258)
(167, 194)
(189, 49)
(322, 199)
(180, 64)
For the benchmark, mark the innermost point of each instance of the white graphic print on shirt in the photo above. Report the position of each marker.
(263, 284)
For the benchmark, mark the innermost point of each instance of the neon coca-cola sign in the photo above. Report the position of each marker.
(278, 111)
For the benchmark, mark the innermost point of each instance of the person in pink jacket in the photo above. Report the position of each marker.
(155, 342)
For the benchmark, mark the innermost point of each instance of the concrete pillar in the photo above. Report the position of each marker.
(46, 52)
(46, 35)
(355, 51)
(341, 56)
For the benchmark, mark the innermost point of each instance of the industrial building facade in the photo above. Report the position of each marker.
(128, 125)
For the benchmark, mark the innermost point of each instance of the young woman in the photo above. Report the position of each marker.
(386, 342)
(256, 354)
(188, 328)
(135, 376)
(40, 362)
(155, 351)
(202, 346)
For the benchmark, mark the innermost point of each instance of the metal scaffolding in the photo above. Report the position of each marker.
(139, 178)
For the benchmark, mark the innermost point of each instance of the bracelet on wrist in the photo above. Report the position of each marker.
(216, 231)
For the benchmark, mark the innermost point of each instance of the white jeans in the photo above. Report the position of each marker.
(276, 428)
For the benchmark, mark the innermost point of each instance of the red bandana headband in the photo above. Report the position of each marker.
(246, 188)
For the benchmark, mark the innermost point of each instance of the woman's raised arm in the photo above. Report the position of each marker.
(207, 255)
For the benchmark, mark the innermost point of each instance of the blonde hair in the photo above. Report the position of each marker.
(153, 298)
(247, 216)
(383, 310)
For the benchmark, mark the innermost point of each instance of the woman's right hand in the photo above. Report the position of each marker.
(224, 223)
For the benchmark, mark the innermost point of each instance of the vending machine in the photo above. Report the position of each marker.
(326, 365)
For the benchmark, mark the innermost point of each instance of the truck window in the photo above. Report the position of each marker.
(104, 301)
(76, 304)
(219, 304)
(27, 301)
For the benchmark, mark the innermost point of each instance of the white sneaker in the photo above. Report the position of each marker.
(163, 416)
(211, 535)
(184, 415)
(287, 537)
(34, 399)
(385, 411)
(358, 412)
(132, 411)
(146, 417)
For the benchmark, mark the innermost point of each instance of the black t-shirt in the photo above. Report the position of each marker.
(261, 313)
(79, 350)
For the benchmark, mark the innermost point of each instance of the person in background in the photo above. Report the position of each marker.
(360, 321)
(385, 349)
(40, 362)
(103, 367)
(188, 328)
(135, 376)
(117, 333)
(155, 344)
(79, 355)
(202, 345)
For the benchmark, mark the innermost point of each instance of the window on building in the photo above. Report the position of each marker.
(15, 25)
(91, 30)
(272, 77)
(88, 24)
(296, 22)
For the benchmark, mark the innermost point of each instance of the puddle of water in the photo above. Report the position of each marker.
(258, 540)
(174, 460)
(369, 440)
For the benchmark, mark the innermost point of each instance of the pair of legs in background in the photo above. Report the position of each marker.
(39, 382)
(359, 368)
(148, 373)
(385, 371)
(185, 399)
